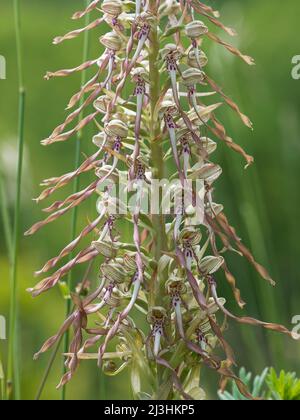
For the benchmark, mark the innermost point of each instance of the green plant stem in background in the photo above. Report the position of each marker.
(76, 188)
(2, 381)
(5, 218)
(13, 372)
(47, 371)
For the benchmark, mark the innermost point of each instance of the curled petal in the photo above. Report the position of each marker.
(208, 9)
(65, 136)
(232, 105)
(90, 8)
(229, 230)
(53, 340)
(60, 182)
(232, 49)
(201, 9)
(67, 72)
(248, 320)
(68, 249)
(84, 256)
(60, 204)
(77, 32)
(61, 212)
(220, 132)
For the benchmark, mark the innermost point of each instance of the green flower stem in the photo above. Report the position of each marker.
(5, 219)
(13, 371)
(157, 292)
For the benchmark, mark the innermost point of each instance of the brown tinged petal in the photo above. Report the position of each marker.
(249, 60)
(232, 281)
(69, 248)
(77, 32)
(71, 117)
(246, 320)
(60, 213)
(220, 132)
(229, 276)
(228, 374)
(92, 84)
(209, 9)
(227, 348)
(67, 72)
(229, 230)
(63, 180)
(65, 136)
(90, 8)
(53, 340)
(60, 204)
(200, 9)
(232, 105)
(84, 256)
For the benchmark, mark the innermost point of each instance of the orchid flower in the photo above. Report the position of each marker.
(176, 257)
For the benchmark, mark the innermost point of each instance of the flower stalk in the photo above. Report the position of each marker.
(13, 371)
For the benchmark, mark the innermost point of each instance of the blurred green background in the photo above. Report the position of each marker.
(262, 202)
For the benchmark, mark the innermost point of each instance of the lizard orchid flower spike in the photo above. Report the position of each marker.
(146, 99)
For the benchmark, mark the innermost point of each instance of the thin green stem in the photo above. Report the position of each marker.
(76, 188)
(13, 376)
(2, 380)
(48, 370)
(6, 219)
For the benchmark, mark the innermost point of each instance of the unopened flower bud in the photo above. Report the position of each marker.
(209, 172)
(100, 139)
(112, 41)
(102, 103)
(193, 76)
(196, 29)
(129, 263)
(190, 236)
(210, 265)
(193, 62)
(105, 248)
(116, 128)
(114, 300)
(209, 145)
(114, 273)
(112, 7)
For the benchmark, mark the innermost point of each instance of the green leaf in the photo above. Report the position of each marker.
(171, 31)
(285, 387)
(64, 290)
